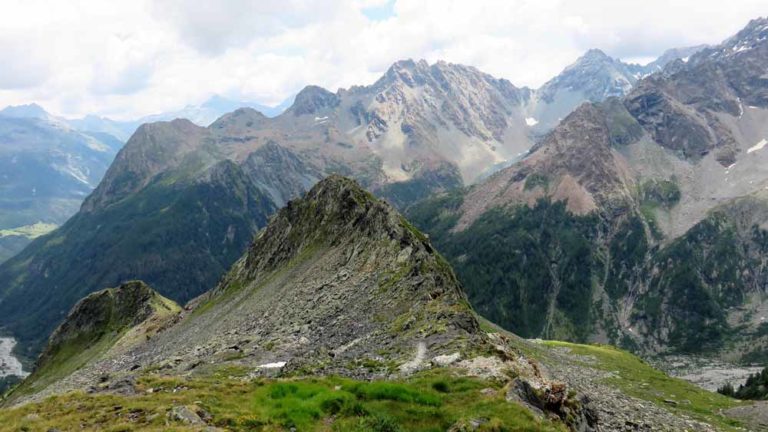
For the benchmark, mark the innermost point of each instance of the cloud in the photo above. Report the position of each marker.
(22, 67)
(127, 59)
(214, 27)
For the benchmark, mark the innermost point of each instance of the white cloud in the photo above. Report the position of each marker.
(127, 59)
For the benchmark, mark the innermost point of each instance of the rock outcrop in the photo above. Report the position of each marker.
(103, 324)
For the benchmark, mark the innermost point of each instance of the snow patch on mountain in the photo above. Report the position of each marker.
(758, 146)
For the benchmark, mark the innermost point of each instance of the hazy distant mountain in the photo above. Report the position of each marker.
(669, 56)
(46, 170)
(202, 115)
(213, 108)
(594, 77)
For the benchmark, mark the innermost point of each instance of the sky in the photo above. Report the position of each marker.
(126, 59)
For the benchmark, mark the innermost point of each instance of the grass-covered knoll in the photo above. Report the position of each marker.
(432, 401)
(636, 378)
(122, 316)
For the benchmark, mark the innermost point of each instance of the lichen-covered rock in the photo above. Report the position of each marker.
(103, 314)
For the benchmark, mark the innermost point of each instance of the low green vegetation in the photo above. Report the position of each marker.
(698, 277)
(431, 401)
(8, 382)
(638, 379)
(29, 231)
(403, 194)
(536, 180)
(755, 388)
(660, 192)
(622, 126)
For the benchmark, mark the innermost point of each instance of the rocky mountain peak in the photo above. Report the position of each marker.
(32, 110)
(409, 72)
(337, 280)
(240, 118)
(595, 74)
(152, 149)
(755, 32)
(335, 210)
(751, 41)
(311, 99)
(593, 55)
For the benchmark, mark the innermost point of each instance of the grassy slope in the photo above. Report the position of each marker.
(431, 401)
(636, 378)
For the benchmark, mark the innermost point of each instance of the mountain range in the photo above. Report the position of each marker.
(177, 186)
(50, 164)
(419, 129)
(201, 115)
(638, 221)
(594, 77)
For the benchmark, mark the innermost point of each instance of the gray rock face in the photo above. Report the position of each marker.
(280, 172)
(594, 77)
(313, 99)
(184, 415)
(682, 108)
